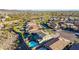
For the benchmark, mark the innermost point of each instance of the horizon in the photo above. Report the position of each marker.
(37, 10)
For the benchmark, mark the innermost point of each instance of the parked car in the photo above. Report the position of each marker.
(77, 34)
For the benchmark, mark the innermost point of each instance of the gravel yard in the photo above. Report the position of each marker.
(7, 40)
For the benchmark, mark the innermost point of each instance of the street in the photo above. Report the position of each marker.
(68, 35)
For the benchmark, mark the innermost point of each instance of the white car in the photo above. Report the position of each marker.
(77, 34)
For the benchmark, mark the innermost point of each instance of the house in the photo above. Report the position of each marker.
(46, 42)
(2, 19)
(69, 25)
(62, 18)
(61, 23)
(42, 18)
(76, 23)
(52, 24)
(32, 27)
(60, 44)
(49, 37)
(54, 18)
(69, 20)
(1, 26)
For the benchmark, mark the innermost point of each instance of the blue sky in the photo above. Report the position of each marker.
(40, 4)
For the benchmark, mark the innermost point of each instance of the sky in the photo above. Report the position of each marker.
(40, 4)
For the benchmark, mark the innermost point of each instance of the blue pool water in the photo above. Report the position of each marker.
(32, 44)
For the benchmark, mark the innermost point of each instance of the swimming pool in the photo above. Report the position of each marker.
(33, 44)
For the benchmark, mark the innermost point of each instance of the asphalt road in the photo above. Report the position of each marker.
(68, 35)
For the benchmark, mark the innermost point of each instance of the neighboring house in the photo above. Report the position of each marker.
(42, 18)
(61, 23)
(32, 27)
(70, 21)
(54, 18)
(51, 24)
(58, 43)
(72, 26)
(1, 26)
(69, 25)
(62, 19)
(72, 18)
(77, 24)
(50, 37)
(2, 19)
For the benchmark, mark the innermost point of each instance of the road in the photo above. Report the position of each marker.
(68, 35)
